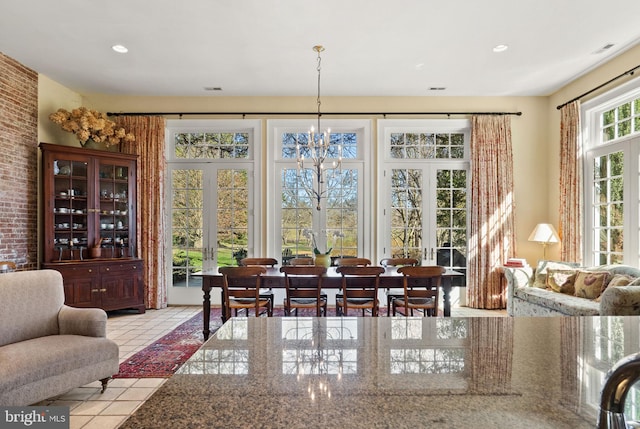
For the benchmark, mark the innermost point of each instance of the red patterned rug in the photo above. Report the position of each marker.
(163, 358)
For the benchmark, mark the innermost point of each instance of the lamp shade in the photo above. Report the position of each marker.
(544, 233)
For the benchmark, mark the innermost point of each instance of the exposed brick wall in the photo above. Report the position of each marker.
(18, 163)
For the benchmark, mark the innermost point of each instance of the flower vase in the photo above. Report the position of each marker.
(322, 260)
(92, 144)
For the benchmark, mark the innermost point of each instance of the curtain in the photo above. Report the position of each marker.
(492, 238)
(149, 146)
(571, 204)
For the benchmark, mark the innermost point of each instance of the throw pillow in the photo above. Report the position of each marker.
(561, 281)
(590, 284)
(617, 280)
(635, 282)
(540, 277)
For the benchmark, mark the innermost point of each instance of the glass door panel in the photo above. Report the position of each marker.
(451, 221)
(113, 221)
(70, 209)
(406, 213)
(187, 227)
(428, 216)
(232, 212)
(209, 215)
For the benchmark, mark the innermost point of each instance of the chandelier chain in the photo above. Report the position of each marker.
(319, 49)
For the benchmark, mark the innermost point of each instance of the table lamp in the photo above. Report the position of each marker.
(544, 233)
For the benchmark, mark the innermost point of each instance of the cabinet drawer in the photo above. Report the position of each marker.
(76, 271)
(121, 268)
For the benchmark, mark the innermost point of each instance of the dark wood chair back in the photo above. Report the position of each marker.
(265, 262)
(359, 289)
(241, 290)
(304, 288)
(421, 290)
(352, 262)
(399, 262)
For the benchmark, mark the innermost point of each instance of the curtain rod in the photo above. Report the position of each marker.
(243, 114)
(628, 72)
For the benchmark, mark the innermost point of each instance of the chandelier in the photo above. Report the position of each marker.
(313, 154)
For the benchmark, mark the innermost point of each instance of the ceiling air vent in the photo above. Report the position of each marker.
(604, 48)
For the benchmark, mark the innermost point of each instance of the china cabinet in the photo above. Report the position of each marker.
(89, 226)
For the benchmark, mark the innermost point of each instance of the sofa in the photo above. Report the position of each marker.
(46, 347)
(557, 288)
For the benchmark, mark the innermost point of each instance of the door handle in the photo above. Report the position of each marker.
(204, 253)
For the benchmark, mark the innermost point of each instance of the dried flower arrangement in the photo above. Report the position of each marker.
(88, 124)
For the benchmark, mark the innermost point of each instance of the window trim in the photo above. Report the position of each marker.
(593, 146)
(385, 162)
(252, 163)
(363, 162)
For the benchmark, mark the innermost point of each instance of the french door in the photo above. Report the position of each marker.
(210, 214)
(426, 214)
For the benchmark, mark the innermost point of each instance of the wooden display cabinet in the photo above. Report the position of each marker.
(89, 201)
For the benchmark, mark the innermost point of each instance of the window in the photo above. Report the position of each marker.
(210, 206)
(611, 176)
(339, 224)
(423, 202)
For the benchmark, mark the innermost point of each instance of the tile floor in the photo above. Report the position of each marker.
(91, 410)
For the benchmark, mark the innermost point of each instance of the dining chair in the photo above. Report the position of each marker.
(352, 262)
(264, 262)
(421, 290)
(300, 261)
(396, 262)
(265, 293)
(241, 290)
(359, 289)
(303, 285)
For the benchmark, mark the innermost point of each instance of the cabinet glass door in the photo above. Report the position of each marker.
(113, 207)
(70, 209)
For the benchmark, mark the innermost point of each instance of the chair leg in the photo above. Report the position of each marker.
(104, 382)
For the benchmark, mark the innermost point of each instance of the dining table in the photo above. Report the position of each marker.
(273, 278)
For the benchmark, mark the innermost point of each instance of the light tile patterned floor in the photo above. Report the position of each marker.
(90, 409)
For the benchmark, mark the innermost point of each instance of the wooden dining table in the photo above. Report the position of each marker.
(274, 279)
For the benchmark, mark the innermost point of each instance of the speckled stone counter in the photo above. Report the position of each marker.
(394, 373)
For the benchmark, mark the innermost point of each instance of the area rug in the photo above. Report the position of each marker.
(163, 358)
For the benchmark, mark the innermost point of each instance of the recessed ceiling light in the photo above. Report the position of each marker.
(121, 49)
(500, 48)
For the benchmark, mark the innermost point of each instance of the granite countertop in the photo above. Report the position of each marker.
(393, 372)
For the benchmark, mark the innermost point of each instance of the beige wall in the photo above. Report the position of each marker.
(535, 134)
(51, 97)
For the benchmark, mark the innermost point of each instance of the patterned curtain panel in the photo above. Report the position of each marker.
(571, 204)
(492, 238)
(149, 146)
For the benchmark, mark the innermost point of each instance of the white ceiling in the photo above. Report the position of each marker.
(264, 47)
